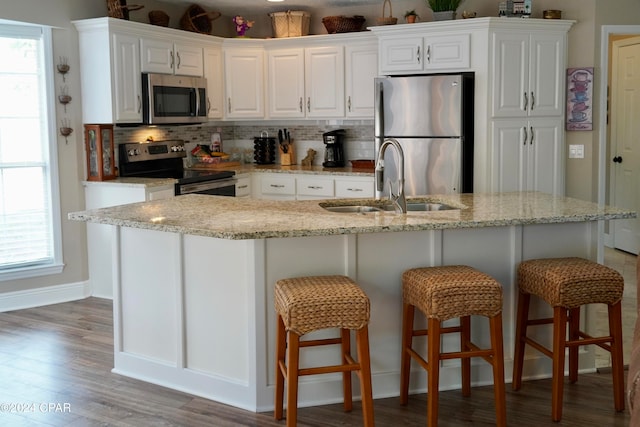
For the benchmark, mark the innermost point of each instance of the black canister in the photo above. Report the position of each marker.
(334, 152)
(264, 149)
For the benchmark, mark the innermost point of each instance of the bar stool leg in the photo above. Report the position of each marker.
(362, 344)
(345, 335)
(405, 358)
(465, 363)
(281, 347)
(617, 362)
(522, 318)
(574, 335)
(433, 363)
(498, 370)
(557, 371)
(293, 356)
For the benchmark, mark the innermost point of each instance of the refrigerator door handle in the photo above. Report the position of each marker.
(379, 110)
(428, 58)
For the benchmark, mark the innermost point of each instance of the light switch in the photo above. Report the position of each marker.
(576, 151)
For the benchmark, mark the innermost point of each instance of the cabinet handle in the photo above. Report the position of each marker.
(526, 136)
(349, 103)
(178, 55)
(418, 54)
(240, 187)
(309, 104)
(428, 58)
(532, 136)
(355, 189)
(229, 105)
(172, 61)
(526, 101)
(276, 185)
(139, 103)
(314, 187)
(301, 107)
(533, 101)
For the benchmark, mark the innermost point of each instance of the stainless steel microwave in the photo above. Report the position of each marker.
(169, 99)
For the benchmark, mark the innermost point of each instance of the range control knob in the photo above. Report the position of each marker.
(133, 152)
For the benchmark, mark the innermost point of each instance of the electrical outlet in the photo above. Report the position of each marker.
(576, 151)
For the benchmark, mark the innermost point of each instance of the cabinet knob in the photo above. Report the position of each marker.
(617, 159)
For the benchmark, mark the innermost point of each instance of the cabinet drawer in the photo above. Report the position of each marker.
(354, 189)
(243, 186)
(315, 187)
(278, 185)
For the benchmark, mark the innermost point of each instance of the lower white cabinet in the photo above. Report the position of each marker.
(528, 155)
(291, 186)
(243, 185)
(355, 187)
(280, 186)
(314, 187)
(103, 195)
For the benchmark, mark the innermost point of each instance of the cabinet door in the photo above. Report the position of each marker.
(127, 96)
(244, 83)
(509, 155)
(310, 188)
(188, 60)
(401, 54)
(157, 56)
(352, 187)
(510, 74)
(450, 52)
(361, 67)
(215, 85)
(285, 84)
(277, 186)
(547, 75)
(545, 163)
(324, 81)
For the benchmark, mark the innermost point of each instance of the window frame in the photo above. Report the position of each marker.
(56, 265)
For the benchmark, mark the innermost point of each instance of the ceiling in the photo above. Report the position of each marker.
(258, 7)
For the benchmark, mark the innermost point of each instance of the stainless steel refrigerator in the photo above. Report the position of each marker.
(431, 116)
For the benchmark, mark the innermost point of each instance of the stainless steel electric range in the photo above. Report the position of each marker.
(164, 159)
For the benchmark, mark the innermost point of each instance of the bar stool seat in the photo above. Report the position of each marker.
(443, 293)
(566, 284)
(307, 304)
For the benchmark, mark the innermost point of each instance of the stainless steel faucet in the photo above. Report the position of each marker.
(398, 200)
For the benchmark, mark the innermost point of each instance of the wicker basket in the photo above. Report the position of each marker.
(292, 23)
(197, 20)
(387, 20)
(159, 17)
(343, 24)
(119, 9)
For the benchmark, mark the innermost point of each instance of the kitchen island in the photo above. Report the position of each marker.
(194, 276)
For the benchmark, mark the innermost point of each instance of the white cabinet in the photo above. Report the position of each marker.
(424, 53)
(528, 155)
(292, 186)
(354, 187)
(127, 83)
(280, 186)
(286, 88)
(324, 81)
(244, 82)
(243, 185)
(528, 74)
(167, 57)
(213, 72)
(361, 68)
(314, 187)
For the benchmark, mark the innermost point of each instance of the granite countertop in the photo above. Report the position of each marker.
(246, 218)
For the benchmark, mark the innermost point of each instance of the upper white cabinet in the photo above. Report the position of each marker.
(324, 81)
(244, 82)
(361, 68)
(286, 88)
(167, 57)
(528, 74)
(424, 53)
(126, 91)
(213, 72)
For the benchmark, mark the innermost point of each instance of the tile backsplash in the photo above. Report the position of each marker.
(239, 138)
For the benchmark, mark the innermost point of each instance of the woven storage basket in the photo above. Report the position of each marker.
(197, 20)
(159, 17)
(119, 9)
(292, 23)
(343, 24)
(387, 20)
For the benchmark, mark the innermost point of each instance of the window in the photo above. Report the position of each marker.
(29, 208)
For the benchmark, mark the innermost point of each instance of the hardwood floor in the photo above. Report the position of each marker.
(55, 366)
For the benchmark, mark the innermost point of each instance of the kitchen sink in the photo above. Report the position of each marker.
(384, 206)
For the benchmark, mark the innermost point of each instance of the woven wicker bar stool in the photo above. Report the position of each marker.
(307, 304)
(443, 293)
(566, 284)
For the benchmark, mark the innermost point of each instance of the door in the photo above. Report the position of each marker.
(215, 85)
(625, 139)
(244, 78)
(361, 67)
(286, 83)
(126, 78)
(324, 81)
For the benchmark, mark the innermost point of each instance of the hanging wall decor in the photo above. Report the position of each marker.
(63, 67)
(579, 99)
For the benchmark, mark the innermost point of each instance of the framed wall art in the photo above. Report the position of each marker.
(579, 99)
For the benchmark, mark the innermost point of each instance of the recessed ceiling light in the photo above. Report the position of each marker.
(275, 1)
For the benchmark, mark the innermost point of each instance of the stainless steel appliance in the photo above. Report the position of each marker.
(163, 159)
(431, 116)
(334, 149)
(169, 99)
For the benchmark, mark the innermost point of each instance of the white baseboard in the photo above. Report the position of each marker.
(44, 296)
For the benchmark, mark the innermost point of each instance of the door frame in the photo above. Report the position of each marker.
(607, 31)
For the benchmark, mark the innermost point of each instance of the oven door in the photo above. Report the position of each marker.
(219, 187)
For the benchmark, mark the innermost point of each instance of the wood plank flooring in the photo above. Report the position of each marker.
(55, 364)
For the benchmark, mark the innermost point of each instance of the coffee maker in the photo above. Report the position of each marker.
(333, 153)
